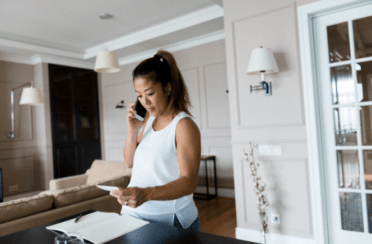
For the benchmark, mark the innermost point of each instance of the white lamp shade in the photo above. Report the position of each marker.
(262, 59)
(31, 96)
(107, 62)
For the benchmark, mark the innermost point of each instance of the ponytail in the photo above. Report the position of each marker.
(162, 68)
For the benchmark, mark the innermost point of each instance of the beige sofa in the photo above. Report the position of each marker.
(67, 196)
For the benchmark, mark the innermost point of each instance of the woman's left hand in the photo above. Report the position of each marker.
(135, 196)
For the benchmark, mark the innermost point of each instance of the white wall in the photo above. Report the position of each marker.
(268, 120)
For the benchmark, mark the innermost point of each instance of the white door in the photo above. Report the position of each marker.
(343, 51)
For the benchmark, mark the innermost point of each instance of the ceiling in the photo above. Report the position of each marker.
(70, 32)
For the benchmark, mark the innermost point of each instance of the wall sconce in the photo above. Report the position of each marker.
(262, 61)
(30, 96)
(120, 104)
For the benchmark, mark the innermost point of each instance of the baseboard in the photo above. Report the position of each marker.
(221, 192)
(256, 236)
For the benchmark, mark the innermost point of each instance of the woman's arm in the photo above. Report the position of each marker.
(188, 156)
(132, 142)
(130, 147)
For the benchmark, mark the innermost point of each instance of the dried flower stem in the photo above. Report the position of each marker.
(259, 188)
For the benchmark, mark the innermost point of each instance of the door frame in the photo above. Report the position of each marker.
(310, 78)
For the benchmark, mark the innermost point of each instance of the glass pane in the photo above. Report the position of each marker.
(351, 211)
(364, 85)
(369, 212)
(366, 123)
(345, 126)
(362, 37)
(338, 42)
(63, 105)
(348, 169)
(342, 85)
(367, 158)
(87, 109)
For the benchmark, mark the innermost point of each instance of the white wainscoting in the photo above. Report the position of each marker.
(256, 236)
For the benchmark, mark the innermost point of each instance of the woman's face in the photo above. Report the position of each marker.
(151, 96)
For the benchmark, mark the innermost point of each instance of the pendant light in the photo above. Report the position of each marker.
(106, 61)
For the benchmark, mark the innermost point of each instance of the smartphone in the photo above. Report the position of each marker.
(141, 111)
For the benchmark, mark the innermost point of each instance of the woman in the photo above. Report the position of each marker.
(166, 156)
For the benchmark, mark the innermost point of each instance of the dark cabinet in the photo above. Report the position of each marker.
(75, 119)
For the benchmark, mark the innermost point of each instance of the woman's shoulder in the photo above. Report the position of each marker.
(185, 124)
(187, 131)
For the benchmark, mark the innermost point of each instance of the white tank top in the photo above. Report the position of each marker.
(155, 164)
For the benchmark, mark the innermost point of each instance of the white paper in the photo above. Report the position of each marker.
(113, 228)
(107, 188)
(84, 222)
(100, 227)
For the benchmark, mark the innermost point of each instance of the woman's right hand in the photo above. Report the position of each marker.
(133, 123)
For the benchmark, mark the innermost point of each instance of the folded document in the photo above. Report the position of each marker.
(107, 188)
(100, 227)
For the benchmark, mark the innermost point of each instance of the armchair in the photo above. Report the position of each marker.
(99, 171)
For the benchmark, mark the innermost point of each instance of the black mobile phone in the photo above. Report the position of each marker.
(141, 111)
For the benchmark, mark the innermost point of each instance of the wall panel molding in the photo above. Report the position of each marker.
(279, 77)
(197, 107)
(113, 153)
(278, 186)
(18, 170)
(23, 130)
(119, 90)
(220, 66)
(281, 140)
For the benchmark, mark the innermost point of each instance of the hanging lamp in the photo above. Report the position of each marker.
(106, 61)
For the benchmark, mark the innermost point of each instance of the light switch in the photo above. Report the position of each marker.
(270, 150)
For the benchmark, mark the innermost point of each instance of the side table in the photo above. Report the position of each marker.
(208, 196)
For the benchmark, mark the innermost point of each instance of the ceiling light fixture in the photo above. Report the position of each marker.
(106, 61)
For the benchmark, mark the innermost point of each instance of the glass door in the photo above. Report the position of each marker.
(343, 44)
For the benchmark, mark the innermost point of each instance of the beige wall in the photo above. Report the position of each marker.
(268, 120)
(204, 70)
(26, 159)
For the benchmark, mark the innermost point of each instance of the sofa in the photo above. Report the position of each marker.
(65, 197)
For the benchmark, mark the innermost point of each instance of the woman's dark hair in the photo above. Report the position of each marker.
(162, 68)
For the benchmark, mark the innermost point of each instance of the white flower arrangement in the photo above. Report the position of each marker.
(259, 188)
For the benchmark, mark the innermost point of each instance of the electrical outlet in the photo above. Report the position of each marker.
(270, 150)
(275, 218)
(13, 188)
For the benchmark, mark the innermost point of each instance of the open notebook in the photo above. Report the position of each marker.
(100, 227)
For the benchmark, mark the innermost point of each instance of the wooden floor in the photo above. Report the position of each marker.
(217, 216)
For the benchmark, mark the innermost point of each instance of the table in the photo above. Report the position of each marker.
(208, 196)
(151, 233)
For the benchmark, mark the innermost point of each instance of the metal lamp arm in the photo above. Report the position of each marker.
(11, 133)
(263, 85)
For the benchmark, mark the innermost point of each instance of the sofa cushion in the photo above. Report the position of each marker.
(24, 207)
(105, 170)
(82, 193)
